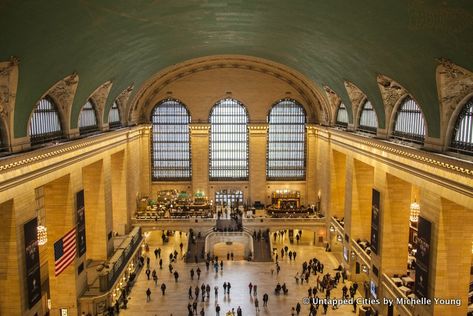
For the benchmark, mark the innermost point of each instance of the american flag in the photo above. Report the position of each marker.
(64, 251)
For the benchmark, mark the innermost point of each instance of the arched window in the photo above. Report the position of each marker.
(228, 141)
(170, 155)
(45, 124)
(286, 142)
(342, 116)
(114, 116)
(88, 119)
(462, 140)
(368, 119)
(409, 122)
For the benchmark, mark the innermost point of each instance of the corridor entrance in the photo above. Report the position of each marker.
(231, 198)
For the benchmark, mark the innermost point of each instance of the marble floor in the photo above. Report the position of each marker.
(239, 273)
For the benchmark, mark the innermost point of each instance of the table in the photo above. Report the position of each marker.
(407, 280)
(397, 281)
(405, 290)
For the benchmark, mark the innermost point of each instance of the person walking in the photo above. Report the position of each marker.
(161, 263)
(298, 308)
(250, 286)
(217, 310)
(265, 299)
(224, 287)
(190, 292)
(156, 253)
(202, 312)
(229, 286)
(239, 312)
(198, 273)
(148, 295)
(176, 275)
(163, 289)
(256, 305)
(216, 292)
(148, 272)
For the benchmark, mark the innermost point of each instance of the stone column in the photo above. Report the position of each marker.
(359, 220)
(258, 137)
(10, 246)
(450, 257)
(200, 156)
(60, 219)
(311, 166)
(395, 200)
(337, 185)
(97, 215)
(121, 220)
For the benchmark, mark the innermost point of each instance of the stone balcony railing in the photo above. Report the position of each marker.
(361, 253)
(394, 292)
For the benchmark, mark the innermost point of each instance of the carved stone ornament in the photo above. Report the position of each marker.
(355, 95)
(455, 83)
(391, 92)
(63, 91)
(101, 94)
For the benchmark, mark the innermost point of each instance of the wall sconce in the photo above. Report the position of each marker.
(364, 268)
(339, 238)
(331, 229)
(415, 211)
(353, 255)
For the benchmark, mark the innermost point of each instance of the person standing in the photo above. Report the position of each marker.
(216, 292)
(224, 287)
(198, 273)
(160, 263)
(250, 286)
(239, 313)
(202, 312)
(148, 295)
(176, 275)
(229, 286)
(190, 292)
(298, 308)
(217, 310)
(192, 274)
(148, 272)
(255, 289)
(156, 253)
(256, 305)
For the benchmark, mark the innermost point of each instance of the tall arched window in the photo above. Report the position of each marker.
(342, 116)
(409, 122)
(88, 118)
(114, 116)
(286, 141)
(170, 155)
(228, 141)
(45, 124)
(368, 118)
(462, 140)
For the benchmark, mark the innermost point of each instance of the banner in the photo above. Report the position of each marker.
(375, 221)
(423, 258)
(33, 275)
(81, 244)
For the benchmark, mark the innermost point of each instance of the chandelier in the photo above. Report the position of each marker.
(415, 211)
(42, 235)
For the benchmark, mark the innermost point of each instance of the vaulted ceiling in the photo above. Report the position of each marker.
(328, 41)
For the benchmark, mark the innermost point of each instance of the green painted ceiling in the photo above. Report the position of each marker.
(328, 41)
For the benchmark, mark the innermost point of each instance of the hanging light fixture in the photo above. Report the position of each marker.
(42, 232)
(415, 211)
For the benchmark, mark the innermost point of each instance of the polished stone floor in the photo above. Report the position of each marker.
(239, 274)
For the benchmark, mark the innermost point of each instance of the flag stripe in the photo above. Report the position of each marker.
(67, 247)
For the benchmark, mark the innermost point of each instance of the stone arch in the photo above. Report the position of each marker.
(455, 87)
(162, 84)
